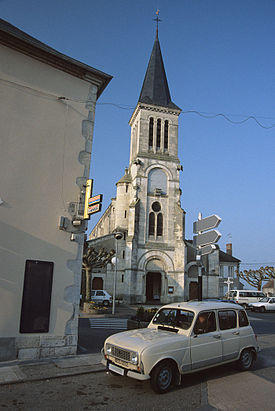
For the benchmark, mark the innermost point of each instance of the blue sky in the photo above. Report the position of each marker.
(219, 57)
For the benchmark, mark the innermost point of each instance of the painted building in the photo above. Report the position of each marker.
(47, 115)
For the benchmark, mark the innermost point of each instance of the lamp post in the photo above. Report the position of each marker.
(118, 236)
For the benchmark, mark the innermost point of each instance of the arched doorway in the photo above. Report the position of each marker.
(97, 283)
(193, 290)
(153, 286)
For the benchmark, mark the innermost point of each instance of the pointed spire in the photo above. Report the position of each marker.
(155, 88)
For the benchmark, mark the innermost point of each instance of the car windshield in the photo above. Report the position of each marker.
(174, 318)
(264, 300)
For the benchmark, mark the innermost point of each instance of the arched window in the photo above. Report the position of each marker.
(166, 135)
(158, 133)
(157, 179)
(155, 220)
(152, 223)
(159, 225)
(151, 129)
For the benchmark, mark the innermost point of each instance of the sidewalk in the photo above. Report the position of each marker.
(16, 371)
(13, 372)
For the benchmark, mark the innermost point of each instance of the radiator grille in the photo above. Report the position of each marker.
(120, 353)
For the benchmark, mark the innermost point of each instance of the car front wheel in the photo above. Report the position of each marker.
(262, 309)
(162, 377)
(106, 303)
(246, 360)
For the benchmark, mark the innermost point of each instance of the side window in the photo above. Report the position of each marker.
(92, 293)
(205, 323)
(101, 293)
(243, 320)
(227, 319)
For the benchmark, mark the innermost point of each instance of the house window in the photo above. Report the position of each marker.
(125, 214)
(151, 129)
(123, 254)
(126, 188)
(122, 278)
(158, 133)
(166, 135)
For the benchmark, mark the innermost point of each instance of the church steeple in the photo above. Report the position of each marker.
(155, 88)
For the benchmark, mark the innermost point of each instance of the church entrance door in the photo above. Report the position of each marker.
(153, 286)
(193, 290)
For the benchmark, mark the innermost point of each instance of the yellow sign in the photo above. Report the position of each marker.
(89, 189)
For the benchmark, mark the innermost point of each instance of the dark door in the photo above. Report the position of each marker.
(97, 283)
(193, 290)
(153, 286)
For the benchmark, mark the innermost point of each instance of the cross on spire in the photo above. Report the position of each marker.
(157, 19)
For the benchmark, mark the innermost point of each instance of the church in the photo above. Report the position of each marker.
(147, 209)
(155, 263)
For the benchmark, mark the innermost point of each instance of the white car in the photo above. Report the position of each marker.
(265, 304)
(101, 297)
(182, 338)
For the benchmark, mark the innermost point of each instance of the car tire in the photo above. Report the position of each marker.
(262, 309)
(162, 377)
(106, 303)
(246, 360)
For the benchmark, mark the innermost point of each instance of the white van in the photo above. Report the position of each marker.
(245, 297)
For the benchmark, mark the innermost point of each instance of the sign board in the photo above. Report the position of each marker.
(89, 188)
(94, 208)
(95, 200)
(207, 249)
(209, 237)
(206, 223)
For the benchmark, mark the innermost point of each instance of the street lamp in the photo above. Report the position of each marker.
(118, 236)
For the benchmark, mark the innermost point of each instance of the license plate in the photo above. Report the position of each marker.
(116, 369)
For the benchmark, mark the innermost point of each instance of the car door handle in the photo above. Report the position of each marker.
(236, 333)
(217, 336)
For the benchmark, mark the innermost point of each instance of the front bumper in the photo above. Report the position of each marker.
(110, 366)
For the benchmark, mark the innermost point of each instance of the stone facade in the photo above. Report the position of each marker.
(147, 210)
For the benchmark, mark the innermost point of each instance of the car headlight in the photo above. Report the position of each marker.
(134, 358)
(108, 349)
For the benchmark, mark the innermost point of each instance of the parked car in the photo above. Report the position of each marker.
(245, 297)
(265, 304)
(182, 338)
(101, 297)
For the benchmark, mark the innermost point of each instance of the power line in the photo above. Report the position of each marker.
(128, 107)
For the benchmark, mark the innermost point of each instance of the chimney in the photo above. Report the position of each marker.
(229, 248)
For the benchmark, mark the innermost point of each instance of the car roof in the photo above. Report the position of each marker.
(198, 306)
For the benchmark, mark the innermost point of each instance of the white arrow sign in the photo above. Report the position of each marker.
(209, 237)
(206, 223)
(207, 249)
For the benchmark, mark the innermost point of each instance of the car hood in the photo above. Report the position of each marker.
(143, 337)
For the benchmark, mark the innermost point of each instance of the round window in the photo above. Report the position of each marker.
(156, 206)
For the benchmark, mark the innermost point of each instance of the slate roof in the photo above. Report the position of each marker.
(155, 88)
(227, 258)
(17, 39)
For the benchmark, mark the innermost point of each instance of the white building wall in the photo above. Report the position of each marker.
(45, 156)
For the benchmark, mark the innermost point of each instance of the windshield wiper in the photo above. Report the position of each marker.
(167, 328)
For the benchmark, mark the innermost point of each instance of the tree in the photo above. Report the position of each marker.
(93, 258)
(255, 278)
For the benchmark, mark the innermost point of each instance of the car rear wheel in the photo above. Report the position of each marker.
(246, 360)
(162, 377)
(262, 309)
